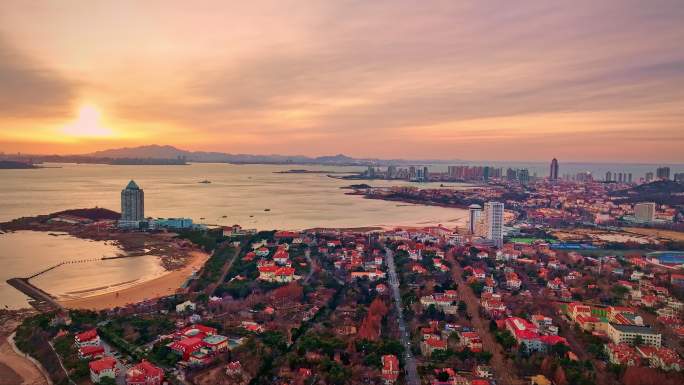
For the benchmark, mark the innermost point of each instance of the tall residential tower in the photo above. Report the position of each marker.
(493, 222)
(132, 203)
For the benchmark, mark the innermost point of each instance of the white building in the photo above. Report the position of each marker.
(645, 211)
(628, 333)
(104, 367)
(185, 306)
(475, 212)
(493, 222)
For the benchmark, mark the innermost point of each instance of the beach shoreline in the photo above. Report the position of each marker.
(167, 284)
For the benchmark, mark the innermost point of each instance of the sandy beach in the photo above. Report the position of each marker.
(158, 287)
(14, 368)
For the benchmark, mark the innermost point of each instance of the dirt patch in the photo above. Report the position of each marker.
(664, 234)
(9, 376)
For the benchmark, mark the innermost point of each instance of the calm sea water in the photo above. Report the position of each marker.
(23, 253)
(240, 193)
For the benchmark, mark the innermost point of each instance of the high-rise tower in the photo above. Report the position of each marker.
(553, 172)
(493, 222)
(132, 203)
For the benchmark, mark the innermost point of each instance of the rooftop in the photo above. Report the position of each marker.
(634, 329)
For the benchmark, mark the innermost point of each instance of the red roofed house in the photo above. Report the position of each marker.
(512, 281)
(479, 273)
(555, 284)
(90, 352)
(452, 378)
(87, 338)
(186, 346)
(587, 323)
(431, 344)
(553, 340)
(390, 368)
(525, 333)
(104, 367)
(622, 354)
(144, 374)
(197, 330)
(662, 358)
(286, 234)
(479, 381)
(277, 274)
(416, 268)
(576, 308)
(281, 257)
(667, 359)
(233, 368)
(470, 340)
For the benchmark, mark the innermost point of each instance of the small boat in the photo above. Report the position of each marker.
(205, 181)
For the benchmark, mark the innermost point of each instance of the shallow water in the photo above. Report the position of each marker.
(24, 253)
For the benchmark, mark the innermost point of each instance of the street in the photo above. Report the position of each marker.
(410, 362)
(504, 371)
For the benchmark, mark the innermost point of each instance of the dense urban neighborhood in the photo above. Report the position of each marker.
(557, 282)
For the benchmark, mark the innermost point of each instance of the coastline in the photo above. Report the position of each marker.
(14, 364)
(166, 284)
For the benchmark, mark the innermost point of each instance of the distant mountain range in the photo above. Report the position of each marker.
(169, 152)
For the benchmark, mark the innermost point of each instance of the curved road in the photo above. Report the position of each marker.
(410, 362)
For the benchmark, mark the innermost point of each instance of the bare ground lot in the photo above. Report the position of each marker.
(666, 234)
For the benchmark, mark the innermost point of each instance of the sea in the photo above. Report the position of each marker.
(253, 196)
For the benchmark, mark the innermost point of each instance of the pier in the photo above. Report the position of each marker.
(40, 299)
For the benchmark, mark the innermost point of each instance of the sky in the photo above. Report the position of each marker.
(483, 80)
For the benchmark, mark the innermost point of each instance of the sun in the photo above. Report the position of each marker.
(88, 124)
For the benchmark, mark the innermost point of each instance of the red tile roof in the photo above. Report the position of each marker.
(105, 363)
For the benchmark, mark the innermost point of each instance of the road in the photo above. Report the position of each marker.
(312, 265)
(226, 268)
(409, 361)
(503, 368)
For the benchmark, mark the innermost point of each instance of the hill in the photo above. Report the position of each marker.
(662, 192)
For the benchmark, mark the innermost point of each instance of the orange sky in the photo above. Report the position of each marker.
(390, 79)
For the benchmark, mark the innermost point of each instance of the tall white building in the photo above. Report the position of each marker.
(645, 211)
(132, 203)
(493, 222)
(475, 213)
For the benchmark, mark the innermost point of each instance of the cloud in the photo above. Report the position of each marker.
(28, 89)
(278, 73)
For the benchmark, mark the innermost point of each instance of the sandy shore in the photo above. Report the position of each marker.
(14, 368)
(158, 287)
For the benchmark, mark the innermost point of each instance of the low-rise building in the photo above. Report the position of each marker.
(87, 338)
(104, 367)
(390, 368)
(144, 373)
(90, 352)
(630, 333)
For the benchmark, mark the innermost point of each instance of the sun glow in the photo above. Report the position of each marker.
(88, 124)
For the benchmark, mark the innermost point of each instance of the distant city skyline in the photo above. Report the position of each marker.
(587, 81)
